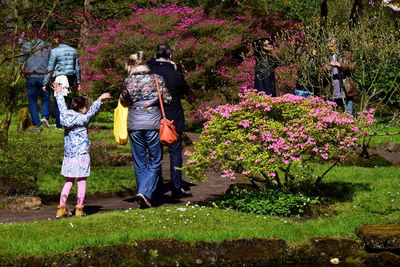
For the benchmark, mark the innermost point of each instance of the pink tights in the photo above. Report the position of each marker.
(67, 187)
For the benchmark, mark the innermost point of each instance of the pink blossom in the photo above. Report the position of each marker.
(187, 153)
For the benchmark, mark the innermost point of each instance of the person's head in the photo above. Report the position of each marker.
(78, 104)
(163, 51)
(134, 60)
(333, 44)
(59, 37)
(262, 45)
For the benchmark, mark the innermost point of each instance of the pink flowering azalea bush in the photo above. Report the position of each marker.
(270, 139)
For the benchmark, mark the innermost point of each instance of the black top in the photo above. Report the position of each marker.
(177, 86)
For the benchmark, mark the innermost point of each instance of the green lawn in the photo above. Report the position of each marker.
(386, 134)
(102, 180)
(372, 195)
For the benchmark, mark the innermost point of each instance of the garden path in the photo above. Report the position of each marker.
(201, 193)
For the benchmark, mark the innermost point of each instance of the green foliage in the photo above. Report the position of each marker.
(303, 11)
(104, 116)
(261, 201)
(29, 155)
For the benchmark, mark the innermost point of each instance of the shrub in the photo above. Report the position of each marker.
(273, 139)
(263, 201)
(212, 51)
(28, 155)
(102, 154)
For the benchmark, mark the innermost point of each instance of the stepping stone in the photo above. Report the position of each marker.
(382, 237)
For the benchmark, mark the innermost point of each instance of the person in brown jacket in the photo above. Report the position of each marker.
(341, 66)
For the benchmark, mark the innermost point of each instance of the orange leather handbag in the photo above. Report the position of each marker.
(168, 134)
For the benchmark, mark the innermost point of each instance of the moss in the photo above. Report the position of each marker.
(380, 236)
(250, 252)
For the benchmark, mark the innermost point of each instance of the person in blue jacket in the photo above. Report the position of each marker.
(64, 68)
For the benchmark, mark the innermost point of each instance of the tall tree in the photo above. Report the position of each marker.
(324, 12)
(356, 12)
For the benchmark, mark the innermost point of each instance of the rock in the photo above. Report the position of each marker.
(388, 146)
(380, 237)
(24, 119)
(25, 203)
(16, 186)
(392, 147)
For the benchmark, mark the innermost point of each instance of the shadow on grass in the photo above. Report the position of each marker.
(372, 162)
(336, 191)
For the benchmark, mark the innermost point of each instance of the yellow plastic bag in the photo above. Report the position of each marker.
(121, 124)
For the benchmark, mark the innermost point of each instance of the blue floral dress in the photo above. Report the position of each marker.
(76, 163)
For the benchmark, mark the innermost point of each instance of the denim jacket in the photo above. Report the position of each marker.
(63, 61)
(76, 141)
(36, 62)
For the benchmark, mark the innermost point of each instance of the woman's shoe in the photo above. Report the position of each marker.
(143, 202)
(79, 211)
(62, 211)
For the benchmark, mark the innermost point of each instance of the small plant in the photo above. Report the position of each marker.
(102, 154)
(261, 201)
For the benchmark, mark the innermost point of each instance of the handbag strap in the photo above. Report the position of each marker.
(160, 97)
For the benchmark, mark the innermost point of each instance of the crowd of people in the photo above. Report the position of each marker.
(47, 70)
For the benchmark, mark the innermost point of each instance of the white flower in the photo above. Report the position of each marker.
(71, 224)
(181, 209)
(335, 261)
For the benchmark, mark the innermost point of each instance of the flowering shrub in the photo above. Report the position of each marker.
(213, 52)
(269, 139)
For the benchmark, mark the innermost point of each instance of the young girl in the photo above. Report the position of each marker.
(76, 163)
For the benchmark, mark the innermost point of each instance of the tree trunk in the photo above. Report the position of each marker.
(12, 95)
(87, 9)
(324, 12)
(355, 12)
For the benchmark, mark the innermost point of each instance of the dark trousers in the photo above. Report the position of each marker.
(34, 89)
(175, 155)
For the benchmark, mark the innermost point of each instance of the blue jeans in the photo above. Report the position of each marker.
(57, 113)
(175, 155)
(346, 105)
(146, 153)
(302, 93)
(34, 88)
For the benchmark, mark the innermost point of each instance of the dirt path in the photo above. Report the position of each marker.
(201, 193)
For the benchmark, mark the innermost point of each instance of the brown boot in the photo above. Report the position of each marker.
(62, 211)
(79, 211)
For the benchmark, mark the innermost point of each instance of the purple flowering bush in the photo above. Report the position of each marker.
(213, 52)
(271, 139)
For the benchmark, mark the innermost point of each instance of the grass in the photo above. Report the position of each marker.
(372, 195)
(102, 180)
(364, 195)
(385, 134)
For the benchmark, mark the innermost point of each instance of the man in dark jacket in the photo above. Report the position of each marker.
(177, 86)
